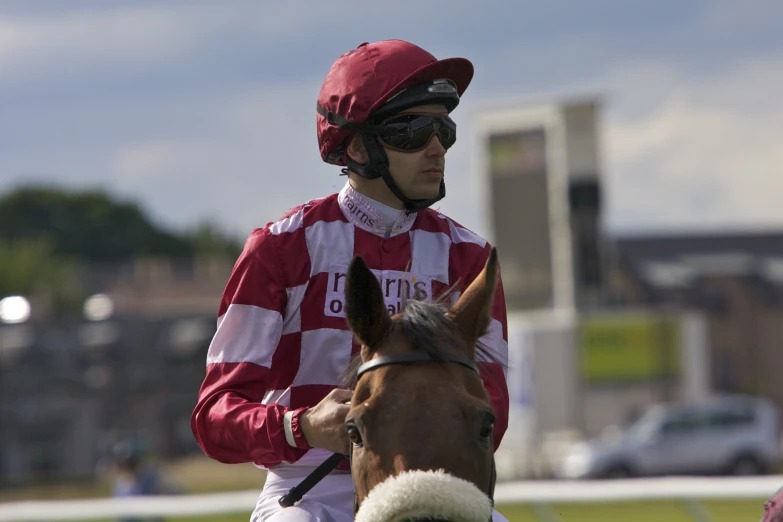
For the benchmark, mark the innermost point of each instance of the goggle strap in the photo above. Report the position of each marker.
(335, 119)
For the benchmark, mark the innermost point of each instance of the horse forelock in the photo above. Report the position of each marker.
(427, 328)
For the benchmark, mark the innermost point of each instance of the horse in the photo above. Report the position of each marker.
(420, 422)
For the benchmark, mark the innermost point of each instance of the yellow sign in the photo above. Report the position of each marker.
(629, 348)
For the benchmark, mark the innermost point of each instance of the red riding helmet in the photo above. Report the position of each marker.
(369, 79)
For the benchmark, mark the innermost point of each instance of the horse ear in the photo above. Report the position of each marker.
(472, 312)
(365, 309)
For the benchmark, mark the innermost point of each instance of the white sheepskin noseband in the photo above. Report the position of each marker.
(433, 494)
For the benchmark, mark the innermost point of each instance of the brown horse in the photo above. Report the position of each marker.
(420, 422)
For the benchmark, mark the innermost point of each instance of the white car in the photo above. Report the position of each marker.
(735, 435)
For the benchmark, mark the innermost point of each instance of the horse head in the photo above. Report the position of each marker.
(420, 422)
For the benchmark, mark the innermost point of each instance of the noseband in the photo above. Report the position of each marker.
(296, 493)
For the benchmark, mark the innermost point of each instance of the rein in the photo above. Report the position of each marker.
(297, 492)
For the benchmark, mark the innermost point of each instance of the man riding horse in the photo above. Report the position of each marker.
(271, 393)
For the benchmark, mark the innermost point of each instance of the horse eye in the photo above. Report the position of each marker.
(486, 430)
(354, 436)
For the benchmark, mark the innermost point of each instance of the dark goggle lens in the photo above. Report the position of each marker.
(413, 132)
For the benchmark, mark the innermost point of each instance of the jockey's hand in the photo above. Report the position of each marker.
(323, 425)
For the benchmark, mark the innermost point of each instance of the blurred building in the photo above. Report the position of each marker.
(621, 322)
(70, 389)
(735, 280)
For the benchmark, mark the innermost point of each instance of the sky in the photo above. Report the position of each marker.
(205, 110)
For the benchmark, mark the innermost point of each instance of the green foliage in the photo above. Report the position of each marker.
(47, 234)
(30, 268)
(671, 511)
(206, 239)
(93, 226)
(88, 225)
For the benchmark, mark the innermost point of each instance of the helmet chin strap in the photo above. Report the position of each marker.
(378, 167)
(413, 205)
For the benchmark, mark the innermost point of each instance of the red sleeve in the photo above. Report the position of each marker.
(496, 341)
(230, 421)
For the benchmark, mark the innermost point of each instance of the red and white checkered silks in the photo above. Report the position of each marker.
(282, 340)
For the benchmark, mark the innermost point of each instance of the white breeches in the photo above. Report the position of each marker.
(331, 500)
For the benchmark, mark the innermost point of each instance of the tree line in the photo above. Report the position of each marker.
(48, 233)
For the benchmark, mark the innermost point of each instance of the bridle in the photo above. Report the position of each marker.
(296, 493)
(407, 358)
(420, 357)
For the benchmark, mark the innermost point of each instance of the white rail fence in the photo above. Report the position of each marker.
(529, 492)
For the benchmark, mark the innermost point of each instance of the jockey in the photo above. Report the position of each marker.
(270, 395)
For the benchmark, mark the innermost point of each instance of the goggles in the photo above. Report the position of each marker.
(413, 132)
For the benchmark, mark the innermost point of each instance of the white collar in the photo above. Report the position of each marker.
(373, 216)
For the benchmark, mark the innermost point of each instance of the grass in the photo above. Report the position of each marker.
(197, 474)
(200, 475)
(203, 475)
(669, 511)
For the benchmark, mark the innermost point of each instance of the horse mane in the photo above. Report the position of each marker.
(428, 329)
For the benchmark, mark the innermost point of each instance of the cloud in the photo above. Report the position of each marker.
(679, 150)
(752, 18)
(259, 160)
(690, 122)
(141, 33)
(705, 153)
